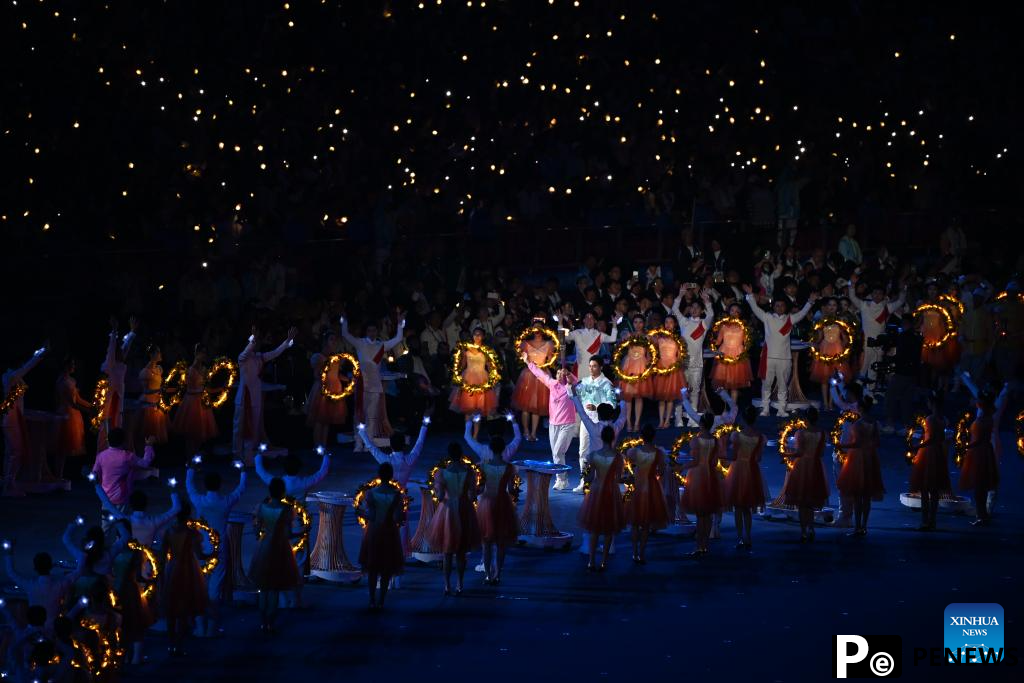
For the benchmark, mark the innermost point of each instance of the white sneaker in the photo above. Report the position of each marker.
(480, 567)
(782, 413)
(579, 488)
(764, 412)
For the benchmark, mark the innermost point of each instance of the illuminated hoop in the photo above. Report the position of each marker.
(443, 463)
(718, 433)
(623, 347)
(1004, 296)
(1020, 432)
(785, 433)
(950, 326)
(17, 391)
(493, 375)
(961, 437)
(365, 487)
(952, 302)
(517, 486)
(212, 561)
(682, 441)
(214, 397)
(148, 555)
(348, 388)
(550, 335)
(173, 387)
(108, 651)
(305, 523)
(835, 357)
(99, 403)
(913, 436)
(627, 467)
(836, 435)
(681, 355)
(748, 340)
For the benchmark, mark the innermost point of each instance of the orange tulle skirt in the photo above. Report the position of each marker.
(150, 421)
(980, 469)
(647, 507)
(943, 359)
(454, 528)
(321, 410)
(602, 512)
(184, 589)
(667, 387)
(71, 434)
(822, 372)
(930, 471)
(530, 395)
(496, 517)
(806, 485)
(194, 420)
(861, 475)
(381, 551)
(642, 389)
(732, 375)
(482, 402)
(744, 486)
(703, 492)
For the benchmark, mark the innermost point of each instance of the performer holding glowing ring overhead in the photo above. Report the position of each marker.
(530, 397)
(475, 376)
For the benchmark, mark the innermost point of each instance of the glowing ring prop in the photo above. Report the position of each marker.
(1003, 296)
(681, 355)
(748, 340)
(443, 463)
(365, 487)
(148, 555)
(17, 391)
(99, 403)
(953, 303)
(620, 351)
(627, 467)
(681, 441)
(912, 439)
(493, 375)
(836, 434)
(200, 525)
(718, 433)
(346, 390)
(787, 430)
(301, 514)
(173, 387)
(214, 397)
(545, 332)
(950, 326)
(961, 437)
(835, 357)
(108, 650)
(517, 486)
(1020, 432)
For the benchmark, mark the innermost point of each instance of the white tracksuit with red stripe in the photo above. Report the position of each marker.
(779, 365)
(588, 344)
(873, 317)
(693, 331)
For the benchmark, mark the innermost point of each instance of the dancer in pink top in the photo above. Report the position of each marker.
(248, 430)
(561, 415)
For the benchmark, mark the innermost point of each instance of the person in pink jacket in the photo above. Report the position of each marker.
(248, 430)
(561, 415)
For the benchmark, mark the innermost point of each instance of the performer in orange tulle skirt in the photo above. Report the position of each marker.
(474, 371)
(149, 419)
(744, 485)
(861, 475)
(665, 387)
(496, 516)
(634, 392)
(806, 485)
(703, 493)
(453, 529)
(929, 474)
(646, 510)
(832, 341)
(322, 413)
(184, 594)
(980, 470)
(602, 513)
(381, 553)
(71, 429)
(531, 395)
(192, 419)
(731, 344)
(944, 358)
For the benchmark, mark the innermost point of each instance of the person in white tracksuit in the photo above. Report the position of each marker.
(593, 391)
(874, 314)
(778, 325)
(694, 324)
(587, 341)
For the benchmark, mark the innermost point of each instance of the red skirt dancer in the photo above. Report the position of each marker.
(602, 512)
(71, 429)
(184, 587)
(744, 486)
(136, 612)
(453, 528)
(806, 485)
(495, 510)
(381, 551)
(319, 408)
(634, 364)
(731, 343)
(193, 419)
(980, 469)
(944, 358)
(831, 344)
(530, 395)
(703, 492)
(861, 474)
(646, 506)
(667, 387)
(930, 471)
(273, 566)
